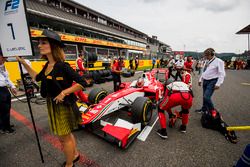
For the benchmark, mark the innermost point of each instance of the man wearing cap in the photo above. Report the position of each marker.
(212, 77)
(170, 66)
(5, 97)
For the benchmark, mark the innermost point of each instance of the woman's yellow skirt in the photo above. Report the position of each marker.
(62, 118)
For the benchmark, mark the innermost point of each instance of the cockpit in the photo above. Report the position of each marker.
(141, 81)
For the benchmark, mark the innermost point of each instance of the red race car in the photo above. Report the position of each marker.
(120, 116)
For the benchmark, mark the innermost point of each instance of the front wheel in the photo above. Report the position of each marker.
(96, 95)
(142, 110)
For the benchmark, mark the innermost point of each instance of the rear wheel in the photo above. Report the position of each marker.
(96, 95)
(142, 110)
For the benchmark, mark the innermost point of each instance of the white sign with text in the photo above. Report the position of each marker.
(14, 33)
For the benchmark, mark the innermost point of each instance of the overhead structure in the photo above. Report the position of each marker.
(84, 29)
(245, 30)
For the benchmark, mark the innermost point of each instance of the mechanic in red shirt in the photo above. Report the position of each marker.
(188, 64)
(186, 72)
(116, 73)
(177, 93)
(187, 78)
(80, 64)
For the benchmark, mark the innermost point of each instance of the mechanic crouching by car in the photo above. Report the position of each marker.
(177, 93)
(116, 73)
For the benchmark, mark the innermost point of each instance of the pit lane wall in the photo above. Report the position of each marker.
(14, 73)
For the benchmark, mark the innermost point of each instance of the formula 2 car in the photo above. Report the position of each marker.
(121, 116)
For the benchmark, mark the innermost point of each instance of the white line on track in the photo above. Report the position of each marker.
(247, 84)
(138, 72)
(146, 131)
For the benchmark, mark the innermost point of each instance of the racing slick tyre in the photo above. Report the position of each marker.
(92, 57)
(109, 78)
(89, 55)
(96, 95)
(108, 72)
(90, 74)
(98, 78)
(101, 72)
(142, 110)
(105, 73)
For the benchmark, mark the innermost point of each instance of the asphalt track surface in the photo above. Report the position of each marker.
(199, 147)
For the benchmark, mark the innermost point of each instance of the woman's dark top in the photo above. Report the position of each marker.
(61, 77)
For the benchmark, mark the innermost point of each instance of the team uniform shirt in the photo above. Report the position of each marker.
(178, 86)
(171, 63)
(188, 65)
(4, 78)
(79, 64)
(116, 67)
(187, 79)
(180, 96)
(214, 69)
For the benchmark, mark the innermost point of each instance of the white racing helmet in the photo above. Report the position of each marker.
(140, 83)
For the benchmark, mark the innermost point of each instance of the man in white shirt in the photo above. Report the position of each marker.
(212, 77)
(179, 65)
(170, 66)
(5, 97)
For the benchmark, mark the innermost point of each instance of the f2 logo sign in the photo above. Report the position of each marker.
(12, 4)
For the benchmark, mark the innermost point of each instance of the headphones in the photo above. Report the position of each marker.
(211, 51)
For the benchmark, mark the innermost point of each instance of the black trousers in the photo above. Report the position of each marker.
(153, 66)
(178, 74)
(136, 66)
(116, 81)
(170, 70)
(5, 105)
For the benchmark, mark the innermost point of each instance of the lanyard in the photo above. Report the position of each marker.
(208, 62)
